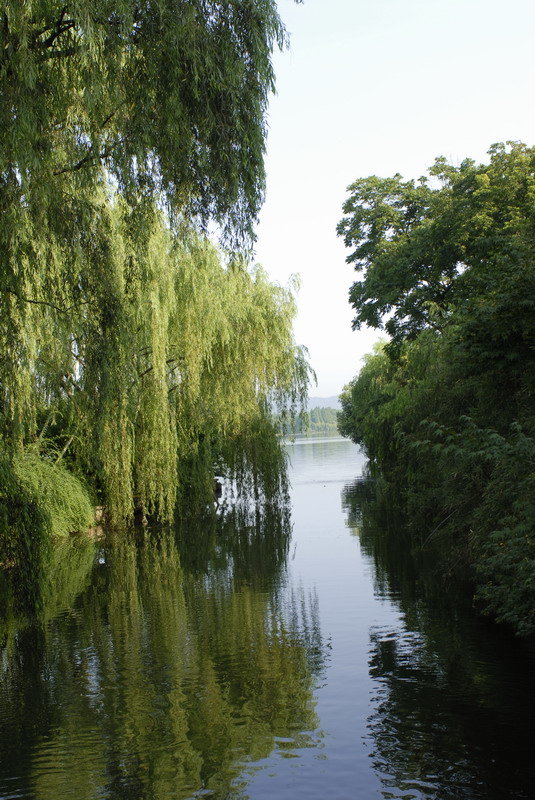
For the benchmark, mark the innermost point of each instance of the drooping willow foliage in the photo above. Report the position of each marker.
(170, 96)
(131, 350)
(172, 360)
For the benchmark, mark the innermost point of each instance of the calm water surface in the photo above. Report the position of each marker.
(263, 657)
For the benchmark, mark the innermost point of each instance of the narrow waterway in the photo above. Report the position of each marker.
(263, 657)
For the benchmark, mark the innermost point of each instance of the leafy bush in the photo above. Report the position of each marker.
(446, 409)
(59, 495)
(39, 500)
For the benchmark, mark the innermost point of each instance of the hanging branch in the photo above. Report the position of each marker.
(31, 300)
(87, 159)
(45, 426)
(175, 361)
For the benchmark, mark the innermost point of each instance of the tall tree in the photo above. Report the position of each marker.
(428, 247)
(447, 410)
(126, 127)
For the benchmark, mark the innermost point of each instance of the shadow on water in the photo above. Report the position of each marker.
(455, 698)
(173, 662)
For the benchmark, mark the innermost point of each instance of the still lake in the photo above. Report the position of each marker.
(308, 656)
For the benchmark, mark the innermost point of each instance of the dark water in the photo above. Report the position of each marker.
(258, 657)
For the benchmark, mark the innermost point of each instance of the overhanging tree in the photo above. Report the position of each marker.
(125, 129)
(170, 97)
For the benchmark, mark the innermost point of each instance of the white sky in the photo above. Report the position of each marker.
(378, 87)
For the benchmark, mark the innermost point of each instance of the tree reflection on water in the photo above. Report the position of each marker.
(179, 662)
(454, 701)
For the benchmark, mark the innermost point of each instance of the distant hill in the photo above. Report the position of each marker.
(324, 402)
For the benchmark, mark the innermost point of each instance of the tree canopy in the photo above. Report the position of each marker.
(131, 349)
(170, 97)
(429, 247)
(445, 409)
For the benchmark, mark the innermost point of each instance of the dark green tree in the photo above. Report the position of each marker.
(447, 411)
(456, 241)
(169, 97)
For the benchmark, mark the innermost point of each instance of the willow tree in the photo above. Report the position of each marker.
(164, 100)
(169, 96)
(172, 359)
(190, 361)
(125, 128)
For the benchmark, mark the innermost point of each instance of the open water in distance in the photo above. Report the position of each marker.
(262, 658)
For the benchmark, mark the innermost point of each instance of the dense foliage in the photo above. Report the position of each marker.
(133, 354)
(170, 97)
(446, 409)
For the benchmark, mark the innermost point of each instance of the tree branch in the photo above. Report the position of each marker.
(69, 442)
(84, 161)
(67, 53)
(44, 302)
(58, 28)
(45, 426)
(174, 361)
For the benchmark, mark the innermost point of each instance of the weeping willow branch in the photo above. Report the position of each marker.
(60, 28)
(69, 442)
(176, 361)
(47, 303)
(87, 159)
(45, 426)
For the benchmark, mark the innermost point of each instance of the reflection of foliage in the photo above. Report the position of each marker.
(28, 693)
(254, 545)
(67, 568)
(161, 681)
(373, 508)
(449, 721)
(39, 499)
(454, 701)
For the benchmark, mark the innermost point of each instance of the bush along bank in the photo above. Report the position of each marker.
(445, 409)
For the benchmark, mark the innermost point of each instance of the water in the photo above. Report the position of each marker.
(262, 658)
